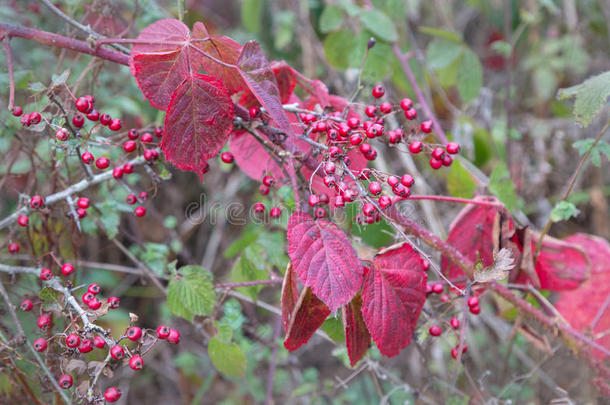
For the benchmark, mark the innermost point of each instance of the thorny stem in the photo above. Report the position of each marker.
(489, 204)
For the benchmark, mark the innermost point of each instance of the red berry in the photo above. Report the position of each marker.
(136, 362)
(67, 269)
(40, 345)
(81, 212)
(62, 134)
(17, 111)
(275, 212)
(99, 342)
(437, 153)
(339, 201)
(435, 330)
(254, 112)
(378, 91)
(473, 301)
(13, 248)
(435, 163)
(133, 134)
(368, 209)
(26, 305)
(385, 107)
(268, 181)
(102, 163)
(112, 394)
(140, 211)
(113, 302)
(87, 158)
(89, 98)
(105, 119)
(143, 195)
(343, 129)
(65, 381)
(375, 187)
(330, 167)
(393, 181)
(264, 190)
(87, 297)
(437, 288)
(78, 121)
(374, 131)
(117, 352)
(94, 115)
(452, 148)
(365, 148)
(83, 105)
(334, 152)
(410, 114)
(23, 220)
(475, 310)
(259, 208)
(151, 155)
(117, 172)
(320, 127)
(44, 321)
(94, 289)
(174, 336)
(406, 103)
(447, 160)
(131, 199)
(313, 200)
(127, 168)
(83, 202)
(115, 124)
(407, 180)
(46, 274)
(454, 351)
(371, 154)
(94, 304)
(401, 190)
(36, 202)
(455, 323)
(395, 136)
(370, 111)
(355, 139)
(163, 331)
(330, 181)
(227, 157)
(147, 137)
(158, 132)
(129, 146)
(34, 118)
(426, 126)
(416, 147)
(72, 340)
(85, 346)
(385, 201)
(320, 212)
(134, 333)
(353, 122)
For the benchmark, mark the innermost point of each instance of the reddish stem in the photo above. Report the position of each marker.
(11, 77)
(456, 200)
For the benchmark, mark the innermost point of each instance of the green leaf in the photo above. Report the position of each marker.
(36, 87)
(501, 185)
(251, 15)
(591, 95)
(349, 7)
(334, 329)
(602, 147)
(460, 182)
(48, 295)
(229, 359)
(441, 53)
(244, 270)
(249, 235)
(338, 47)
(225, 332)
(284, 28)
(439, 33)
(502, 47)
(470, 76)
(331, 19)
(191, 293)
(563, 210)
(379, 62)
(109, 216)
(61, 79)
(379, 24)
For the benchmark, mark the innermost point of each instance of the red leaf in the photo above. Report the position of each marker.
(560, 265)
(162, 36)
(290, 296)
(255, 70)
(324, 259)
(582, 306)
(252, 158)
(223, 49)
(357, 337)
(285, 77)
(309, 314)
(198, 122)
(393, 295)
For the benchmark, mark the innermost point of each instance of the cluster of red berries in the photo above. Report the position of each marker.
(265, 187)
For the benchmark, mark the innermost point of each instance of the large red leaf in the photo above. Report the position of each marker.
(583, 305)
(309, 314)
(324, 259)
(393, 295)
(198, 122)
(259, 77)
(252, 158)
(357, 337)
(285, 77)
(290, 296)
(561, 265)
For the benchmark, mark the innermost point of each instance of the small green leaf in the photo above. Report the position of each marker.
(225, 332)
(110, 217)
(470, 76)
(251, 15)
(439, 33)
(502, 47)
(563, 211)
(36, 87)
(229, 359)
(331, 19)
(338, 47)
(460, 182)
(590, 95)
(379, 62)
(244, 270)
(61, 79)
(602, 148)
(191, 293)
(501, 185)
(441, 53)
(379, 24)
(48, 295)
(334, 329)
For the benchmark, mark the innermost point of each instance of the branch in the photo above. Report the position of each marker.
(11, 77)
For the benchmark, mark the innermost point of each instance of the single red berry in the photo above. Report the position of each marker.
(378, 91)
(368, 209)
(36, 202)
(455, 323)
(275, 212)
(447, 160)
(46, 274)
(147, 137)
(87, 158)
(254, 112)
(437, 288)
(385, 201)
(428, 289)
(365, 148)
(87, 297)
(23, 220)
(83, 202)
(475, 310)
(136, 362)
(131, 199)
(72, 340)
(385, 107)
(473, 301)
(94, 115)
(426, 126)
(401, 190)
(339, 201)
(330, 181)
(367, 124)
(143, 195)
(371, 154)
(113, 302)
(83, 105)
(112, 394)
(26, 305)
(94, 289)
(445, 298)
(334, 152)
(158, 132)
(393, 181)
(375, 187)
(133, 134)
(435, 163)
(65, 381)
(330, 167)
(370, 111)
(174, 336)
(411, 114)
(128, 168)
(353, 122)
(163, 331)
(435, 330)
(151, 155)
(85, 346)
(134, 333)
(320, 127)
(115, 124)
(349, 195)
(452, 148)
(416, 147)
(324, 198)
(34, 118)
(437, 153)
(268, 181)
(17, 111)
(44, 321)
(94, 304)
(406, 103)
(67, 269)
(117, 172)
(117, 352)
(25, 120)
(395, 136)
(454, 351)
(40, 345)
(62, 134)
(313, 200)
(13, 248)
(259, 208)
(99, 342)
(102, 163)
(355, 139)
(81, 212)
(129, 146)
(105, 119)
(78, 121)
(89, 98)
(140, 211)
(407, 180)
(264, 190)
(227, 157)
(425, 264)
(320, 212)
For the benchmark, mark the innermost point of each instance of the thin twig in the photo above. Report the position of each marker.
(271, 374)
(11, 76)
